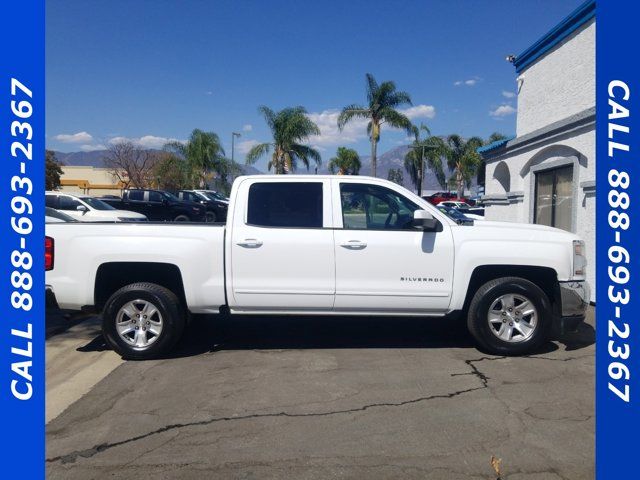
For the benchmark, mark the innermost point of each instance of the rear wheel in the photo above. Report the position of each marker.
(181, 218)
(509, 316)
(142, 320)
(211, 216)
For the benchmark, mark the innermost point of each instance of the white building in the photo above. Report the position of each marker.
(546, 173)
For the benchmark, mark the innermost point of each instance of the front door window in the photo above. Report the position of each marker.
(554, 198)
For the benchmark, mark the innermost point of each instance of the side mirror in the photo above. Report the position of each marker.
(82, 208)
(425, 221)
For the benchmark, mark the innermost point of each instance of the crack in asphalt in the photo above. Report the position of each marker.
(90, 452)
(475, 371)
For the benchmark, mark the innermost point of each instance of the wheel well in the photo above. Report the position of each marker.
(544, 277)
(112, 276)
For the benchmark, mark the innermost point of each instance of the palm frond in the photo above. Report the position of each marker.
(256, 152)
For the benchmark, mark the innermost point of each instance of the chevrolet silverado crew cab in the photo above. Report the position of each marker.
(320, 245)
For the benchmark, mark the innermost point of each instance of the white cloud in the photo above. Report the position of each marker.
(419, 111)
(80, 137)
(92, 147)
(208, 92)
(502, 111)
(246, 145)
(356, 130)
(330, 134)
(469, 82)
(507, 94)
(247, 128)
(146, 141)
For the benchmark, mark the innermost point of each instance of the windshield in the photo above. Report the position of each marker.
(214, 195)
(97, 204)
(170, 196)
(453, 213)
(51, 212)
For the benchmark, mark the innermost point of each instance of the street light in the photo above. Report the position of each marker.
(422, 148)
(233, 144)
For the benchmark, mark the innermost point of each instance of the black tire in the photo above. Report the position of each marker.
(481, 329)
(210, 217)
(168, 306)
(182, 218)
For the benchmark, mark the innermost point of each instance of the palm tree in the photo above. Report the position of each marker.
(429, 150)
(382, 103)
(346, 162)
(462, 159)
(203, 153)
(289, 127)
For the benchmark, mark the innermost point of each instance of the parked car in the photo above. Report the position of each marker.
(216, 208)
(88, 209)
(464, 208)
(318, 245)
(158, 205)
(458, 215)
(51, 215)
(215, 195)
(454, 204)
(440, 197)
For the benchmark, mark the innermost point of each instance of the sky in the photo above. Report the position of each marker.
(152, 71)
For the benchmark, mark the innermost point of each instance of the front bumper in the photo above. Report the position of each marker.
(574, 300)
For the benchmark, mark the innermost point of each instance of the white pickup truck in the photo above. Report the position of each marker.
(320, 245)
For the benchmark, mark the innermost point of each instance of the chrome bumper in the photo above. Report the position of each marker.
(574, 298)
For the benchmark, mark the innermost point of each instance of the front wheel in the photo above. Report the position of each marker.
(509, 316)
(142, 320)
(181, 218)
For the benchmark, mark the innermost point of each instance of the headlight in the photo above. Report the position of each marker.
(579, 258)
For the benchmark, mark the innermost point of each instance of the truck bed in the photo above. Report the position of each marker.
(197, 249)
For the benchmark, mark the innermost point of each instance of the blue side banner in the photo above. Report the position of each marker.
(22, 386)
(617, 227)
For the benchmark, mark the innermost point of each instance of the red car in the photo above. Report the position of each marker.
(438, 197)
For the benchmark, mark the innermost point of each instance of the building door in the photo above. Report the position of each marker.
(554, 198)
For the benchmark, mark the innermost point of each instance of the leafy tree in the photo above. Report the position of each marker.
(171, 172)
(429, 150)
(382, 103)
(395, 175)
(346, 162)
(462, 159)
(290, 128)
(53, 170)
(204, 156)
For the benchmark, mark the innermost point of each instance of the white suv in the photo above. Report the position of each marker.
(89, 209)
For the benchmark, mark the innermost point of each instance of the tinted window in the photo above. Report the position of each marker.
(68, 203)
(155, 197)
(51, 201)
(136, 195)
(285, 204)
(371, 207)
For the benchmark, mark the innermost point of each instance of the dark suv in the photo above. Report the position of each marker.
(216, 208)
(158, 206)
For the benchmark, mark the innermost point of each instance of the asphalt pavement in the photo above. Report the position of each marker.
(318, 398)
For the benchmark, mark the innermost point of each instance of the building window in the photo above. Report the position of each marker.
(554, 198)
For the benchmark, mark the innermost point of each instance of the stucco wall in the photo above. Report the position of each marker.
(559, 84)
(89, 181)
(578, 148)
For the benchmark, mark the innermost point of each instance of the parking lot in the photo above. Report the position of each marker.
(290, 397)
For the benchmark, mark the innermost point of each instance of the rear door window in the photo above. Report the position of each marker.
(136, 195)
(285, 204)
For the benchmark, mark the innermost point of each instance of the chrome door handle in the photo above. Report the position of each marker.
(250, 243)
(354, 244)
